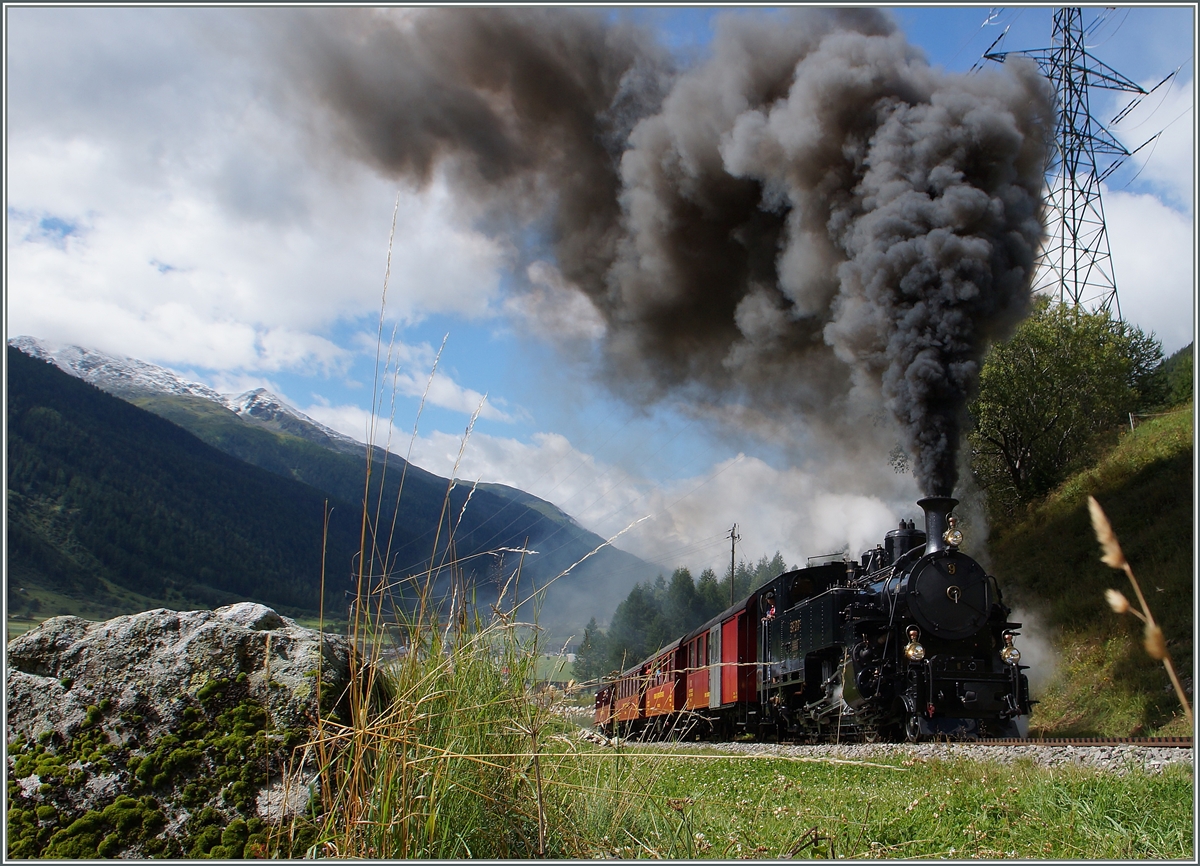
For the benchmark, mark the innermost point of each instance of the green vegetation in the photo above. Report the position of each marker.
(443, 757)
(1052, 396)
(706, 806)
(107, 501)
(1052, 426)
(1175, 377)
(1049, 564)
(29, 605)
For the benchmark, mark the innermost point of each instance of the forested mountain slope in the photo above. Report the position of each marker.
(412, 517)
(98, 488)
(414, 501)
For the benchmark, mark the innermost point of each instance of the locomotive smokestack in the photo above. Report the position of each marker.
(936, 509)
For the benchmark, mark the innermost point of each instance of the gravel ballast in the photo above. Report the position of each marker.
(1120, 758)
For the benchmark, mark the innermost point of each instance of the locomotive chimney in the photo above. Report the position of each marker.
(936, 510)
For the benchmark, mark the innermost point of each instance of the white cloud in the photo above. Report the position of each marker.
(1149, 210)
(790, 511)
(164, 204)
(555, 311)
(1153, 248)
(404, 370)
(1167, 164)
(358, 423)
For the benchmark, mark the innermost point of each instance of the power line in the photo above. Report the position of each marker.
(1076, 259)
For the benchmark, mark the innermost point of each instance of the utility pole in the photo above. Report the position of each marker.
(1076, 260)
(734, 538)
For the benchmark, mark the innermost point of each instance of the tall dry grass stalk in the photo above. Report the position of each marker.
(443, 747)
(1153, 640)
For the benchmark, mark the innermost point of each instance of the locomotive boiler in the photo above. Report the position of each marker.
(911, 641)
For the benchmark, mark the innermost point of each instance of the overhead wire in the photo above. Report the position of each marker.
(992, 15)
(1150, 155)
(1114, 32)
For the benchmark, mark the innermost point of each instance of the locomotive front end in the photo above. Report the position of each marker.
(959, 674)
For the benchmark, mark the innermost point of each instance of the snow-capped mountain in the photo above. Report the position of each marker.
(263, 407)
(130, 378)
(121, 377)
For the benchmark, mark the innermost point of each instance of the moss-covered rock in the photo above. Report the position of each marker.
(170, 739)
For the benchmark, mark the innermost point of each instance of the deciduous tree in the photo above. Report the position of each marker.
(1050, 395)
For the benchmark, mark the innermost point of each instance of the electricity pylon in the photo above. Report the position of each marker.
(1076, 260)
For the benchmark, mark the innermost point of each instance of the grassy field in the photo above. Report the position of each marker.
(1048, 562)
(30, 604)
(705, 805)
(461, 761)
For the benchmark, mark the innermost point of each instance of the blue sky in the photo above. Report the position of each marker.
(162, 202)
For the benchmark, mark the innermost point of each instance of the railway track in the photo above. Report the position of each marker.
(1155, 742)
(1145, 742)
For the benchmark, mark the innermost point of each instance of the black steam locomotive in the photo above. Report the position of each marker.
(910, 642)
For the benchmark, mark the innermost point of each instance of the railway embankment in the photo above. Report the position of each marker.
(1089, 671)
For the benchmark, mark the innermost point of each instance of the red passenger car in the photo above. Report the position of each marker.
(721, 659)
(629, 704)
(712, 672)
(602, 713)
(665, 687)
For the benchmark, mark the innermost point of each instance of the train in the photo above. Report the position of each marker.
(910, 642)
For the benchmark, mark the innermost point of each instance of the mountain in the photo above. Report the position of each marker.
(132, 379)
(261, 430)
(102, 493)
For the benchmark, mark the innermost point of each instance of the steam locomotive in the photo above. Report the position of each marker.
(911, 642)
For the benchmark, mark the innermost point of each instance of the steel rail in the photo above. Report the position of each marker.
(1157, 742)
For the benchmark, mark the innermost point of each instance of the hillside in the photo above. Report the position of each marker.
(1049, 564)
(266, 435)
(411, 499)
(111, 504)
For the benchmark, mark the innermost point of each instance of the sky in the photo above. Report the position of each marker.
(168, 200)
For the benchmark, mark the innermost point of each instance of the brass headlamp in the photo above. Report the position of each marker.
(1010, 654)
(952, 536)
(914, 652)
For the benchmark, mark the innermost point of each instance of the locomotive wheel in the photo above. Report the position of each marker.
(912, 729)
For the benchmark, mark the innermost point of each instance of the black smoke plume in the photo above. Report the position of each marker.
(809, 222)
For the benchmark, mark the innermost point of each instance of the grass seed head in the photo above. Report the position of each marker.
(1113, 557)
(1117, 600)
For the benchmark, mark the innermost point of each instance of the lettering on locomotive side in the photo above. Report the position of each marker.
(794, 626)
